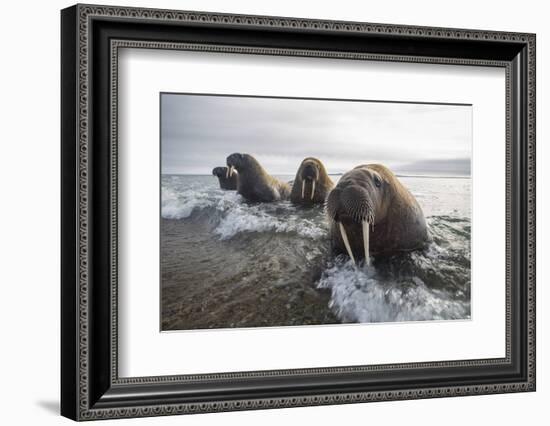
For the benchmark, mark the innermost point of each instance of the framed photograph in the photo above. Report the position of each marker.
(263, 212)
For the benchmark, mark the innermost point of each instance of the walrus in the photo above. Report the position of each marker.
(372, 213)
(254, 183)
(311, 184)
(226, 181)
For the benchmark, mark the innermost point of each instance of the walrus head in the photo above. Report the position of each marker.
(311, 184)
(219, 171)
(357, 203)
(254, 183)
(237, 161)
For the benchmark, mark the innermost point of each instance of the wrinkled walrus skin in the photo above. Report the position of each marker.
(311, 184)
(254, 183)
(226, 181)
(370, 199)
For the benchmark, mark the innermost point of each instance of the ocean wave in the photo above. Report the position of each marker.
(232, 215)
(283, 250)
(180, 205)
(253, 219)
(361, 294)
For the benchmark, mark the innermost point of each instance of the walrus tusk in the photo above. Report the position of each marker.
(366, 241)
(346, 241)
(303, 188)
(227, 172)
(312, 189)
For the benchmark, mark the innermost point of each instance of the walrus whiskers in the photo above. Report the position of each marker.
(346, 241)
(366, 241)
(312, 189)
(303, 188)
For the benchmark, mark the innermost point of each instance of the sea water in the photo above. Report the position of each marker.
(227, 262)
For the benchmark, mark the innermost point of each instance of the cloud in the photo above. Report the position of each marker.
(198, 132)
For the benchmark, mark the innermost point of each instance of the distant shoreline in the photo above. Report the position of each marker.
(435, 176)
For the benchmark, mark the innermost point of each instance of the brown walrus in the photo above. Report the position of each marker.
(254, 183)
(372, 213)
(311, 184)
(226, 181)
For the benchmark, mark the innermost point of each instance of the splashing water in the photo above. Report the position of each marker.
(365, 294)
(226, 262)
(232, 213)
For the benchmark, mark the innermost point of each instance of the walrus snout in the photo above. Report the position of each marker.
(310, 172)
(351, 203)
(351, 208)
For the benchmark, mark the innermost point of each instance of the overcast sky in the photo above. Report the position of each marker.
(199, 132)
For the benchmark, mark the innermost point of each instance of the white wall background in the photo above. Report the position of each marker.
(29, 214)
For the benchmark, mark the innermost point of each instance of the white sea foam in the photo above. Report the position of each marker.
(256, 218)
(357, 295)
(180, 205)
(234, 215)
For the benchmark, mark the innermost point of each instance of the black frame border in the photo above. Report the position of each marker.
(90, 387)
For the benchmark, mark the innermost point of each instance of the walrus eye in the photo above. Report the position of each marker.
(377, 182)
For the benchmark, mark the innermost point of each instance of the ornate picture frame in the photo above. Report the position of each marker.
(91, 37)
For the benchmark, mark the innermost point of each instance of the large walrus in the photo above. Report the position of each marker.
(226, 181)
(311, 184)
(254, 183)
(372, 213)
